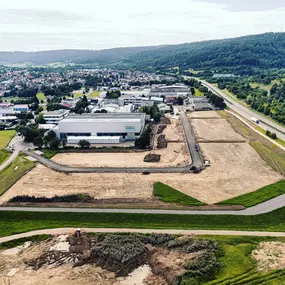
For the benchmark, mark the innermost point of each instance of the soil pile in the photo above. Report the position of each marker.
(161, 141)
(161, 128)
(165, 121)
(151, 157)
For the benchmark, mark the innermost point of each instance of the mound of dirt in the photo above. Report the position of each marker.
(270, 256)
(160, 129)
(165, 121)
(161, 141)
(151, 157)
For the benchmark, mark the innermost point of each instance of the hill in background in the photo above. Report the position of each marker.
(263, 51)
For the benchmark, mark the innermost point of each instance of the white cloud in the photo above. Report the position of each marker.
(62, 24)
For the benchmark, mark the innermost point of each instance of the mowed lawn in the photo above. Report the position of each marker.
(262, 195)
(41, 96)
(5, 137)
(4, 154)
(12, 173)
(94, 94)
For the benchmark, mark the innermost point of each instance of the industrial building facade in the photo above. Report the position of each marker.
(101, 127)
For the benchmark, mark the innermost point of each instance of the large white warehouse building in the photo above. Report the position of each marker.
(101, 127)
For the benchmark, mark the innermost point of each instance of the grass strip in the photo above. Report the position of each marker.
(5, 137)
(262, 195)
(49, 153)
(12, 173)
(169, 195)
(12, 222)
(20, 241)
(4, 155)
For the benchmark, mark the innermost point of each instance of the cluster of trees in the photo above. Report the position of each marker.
(24, 92)
(113, 94)
(262, 51)
(81, 105)
(153, 112)
(269, 103)
(145, 140)
(271, 135)
(36, 136)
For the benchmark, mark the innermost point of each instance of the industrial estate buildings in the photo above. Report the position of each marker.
(101, 127)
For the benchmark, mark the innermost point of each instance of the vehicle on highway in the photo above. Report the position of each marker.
(255, 120)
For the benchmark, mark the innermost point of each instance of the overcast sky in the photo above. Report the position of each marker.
(33, 25)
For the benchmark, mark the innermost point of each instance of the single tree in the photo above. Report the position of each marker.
(84, 144)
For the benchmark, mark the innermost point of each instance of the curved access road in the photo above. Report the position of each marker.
(266, 207)
(61, 231)
(70, 169)
(197, 159)
(247, 113)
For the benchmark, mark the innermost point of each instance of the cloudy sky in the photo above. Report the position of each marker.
(33, 25)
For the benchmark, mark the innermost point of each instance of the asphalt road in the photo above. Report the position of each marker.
(196, 156)
(197, 159)
(266, 207)
(62, 231)
(265, 123)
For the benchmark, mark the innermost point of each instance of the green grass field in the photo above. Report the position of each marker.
(4, 154)
(169, 195)
(254, 198)
(94, 94)
(237, 266)
(49, 153)
(198, 92)
(17, 222)
(12, 173)
(41, 96)
(5, 137)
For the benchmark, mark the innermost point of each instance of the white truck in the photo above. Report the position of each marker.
(255, 120)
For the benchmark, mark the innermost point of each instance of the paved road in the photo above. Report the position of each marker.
(9, 160)
(197, 159)
(196, 156)
(265, 123)
(61, 231)
(266, 207)
(19, 145)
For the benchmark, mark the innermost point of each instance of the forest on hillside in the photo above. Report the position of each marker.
(258, 51)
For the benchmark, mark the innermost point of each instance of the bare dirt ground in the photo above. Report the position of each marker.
(174, 131)
(14, 271)
(215, 130)
(204, 114)
(235, 169)
(270, 256)
(175, 154)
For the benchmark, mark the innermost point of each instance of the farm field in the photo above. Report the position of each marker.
(5, 137)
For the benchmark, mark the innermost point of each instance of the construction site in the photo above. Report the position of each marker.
(236, 168)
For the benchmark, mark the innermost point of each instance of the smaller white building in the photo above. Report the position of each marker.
(54, 117)
(163, 108)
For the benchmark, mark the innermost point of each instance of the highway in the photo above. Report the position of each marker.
(265, 123)
(266, 207)
(197, 159)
